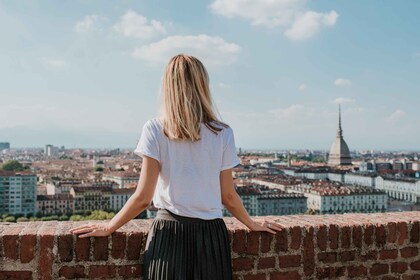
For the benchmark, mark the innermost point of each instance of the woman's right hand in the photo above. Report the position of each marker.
(266, 225)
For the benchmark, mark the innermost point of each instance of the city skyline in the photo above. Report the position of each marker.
(87, 74)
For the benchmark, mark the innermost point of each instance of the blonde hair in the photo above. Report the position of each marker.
(187, 101)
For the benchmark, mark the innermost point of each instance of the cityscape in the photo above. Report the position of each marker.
(322, 98)
(59, 183)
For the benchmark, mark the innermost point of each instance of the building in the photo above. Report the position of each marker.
(123, 179)
(339, 152)
(51, 150)
(281, 204)
(17, 192)
(57, 204)
(4, 146)
(91, 197)
(334, 198)
(403, 189)
(119, 197)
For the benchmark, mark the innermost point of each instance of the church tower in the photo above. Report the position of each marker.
(339, 152)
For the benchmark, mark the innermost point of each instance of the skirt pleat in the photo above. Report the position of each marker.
(185, 248)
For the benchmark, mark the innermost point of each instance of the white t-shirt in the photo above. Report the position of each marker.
(189, 179)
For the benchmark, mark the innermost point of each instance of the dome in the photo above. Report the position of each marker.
(339, 152)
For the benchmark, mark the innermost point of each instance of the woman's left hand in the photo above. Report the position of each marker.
(92, 229)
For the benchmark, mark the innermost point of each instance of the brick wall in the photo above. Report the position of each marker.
(349, 246)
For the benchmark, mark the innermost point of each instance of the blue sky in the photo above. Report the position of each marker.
(87, 73)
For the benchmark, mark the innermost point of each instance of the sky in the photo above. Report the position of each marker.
(88, 73)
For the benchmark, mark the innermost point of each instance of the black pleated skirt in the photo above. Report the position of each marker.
(185, 248)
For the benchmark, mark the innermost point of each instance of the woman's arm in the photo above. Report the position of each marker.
(141, 197)
(139, 201)
(232, 201)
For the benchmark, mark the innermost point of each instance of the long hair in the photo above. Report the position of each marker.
(187, 101)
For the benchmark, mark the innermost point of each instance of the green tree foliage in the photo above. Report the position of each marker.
(14, 165)
(9, 219)
(99, 169)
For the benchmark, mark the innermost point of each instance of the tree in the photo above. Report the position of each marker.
(14, 165)
(99, 169)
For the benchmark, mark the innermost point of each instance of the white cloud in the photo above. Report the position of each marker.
(300, 22)
(398, 114)
(342, 82)
(132, 24)
(212, 50)
(342, 100)
(87, 23)
(288, 112)
(267, 13)
(302, 87)
(309, 24)
(54, 63)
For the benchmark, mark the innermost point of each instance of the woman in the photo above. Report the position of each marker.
(189, 154)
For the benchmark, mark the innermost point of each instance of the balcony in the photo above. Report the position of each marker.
(338, 246)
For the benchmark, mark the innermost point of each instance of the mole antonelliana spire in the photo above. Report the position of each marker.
(339, 153)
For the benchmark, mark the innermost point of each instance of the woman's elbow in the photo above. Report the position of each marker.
(142, 202)
(229, 200)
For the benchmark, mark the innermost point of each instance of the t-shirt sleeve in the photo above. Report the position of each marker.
(148, 143)
(230, 158)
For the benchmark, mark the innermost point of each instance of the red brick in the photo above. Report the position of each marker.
(281, 244)
(333, 234)
(21, 275)
(402, 232)
(327, 257)
(415, 232)
(259, 276)
(100, 248)
(82, 249)
(134, 245)
(11, 242)
(356, 271)
(415, 265)
(388, 254)
(399, 267)
(28, 245)
(388, 277)
(346, 256)
(289, 261)
(134, 270)
(345, 236)
(236, 277)
(368, 234)
(102, 271)
(357, 236)
(242, 263)
(369, 256)
(392, 232)
(72, 272)
(309, 252)
(46, 255)
(330, 272)
(118, 245)
(65, 247)
(266, 240)
(296, 237)
(379, 269)
(409, 252)
(286, 275)
(253, 242)
(380, 235)
(239, 241)
(268, 262)
(321, 237)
